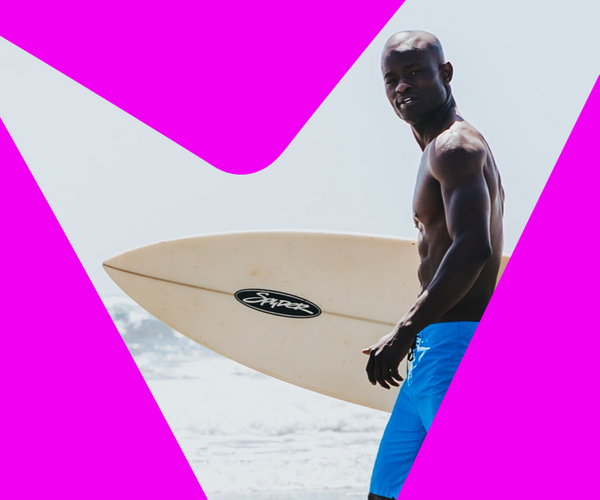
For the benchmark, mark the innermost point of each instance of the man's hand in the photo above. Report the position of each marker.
(386, 354)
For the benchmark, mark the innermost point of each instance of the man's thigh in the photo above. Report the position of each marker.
(438, 358)
(399, 447)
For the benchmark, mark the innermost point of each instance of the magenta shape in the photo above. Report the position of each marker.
(78, 420)
(521, 417)
(232, 82)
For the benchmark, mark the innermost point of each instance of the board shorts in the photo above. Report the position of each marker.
(439, 350)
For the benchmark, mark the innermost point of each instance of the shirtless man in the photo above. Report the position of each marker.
(458, 209)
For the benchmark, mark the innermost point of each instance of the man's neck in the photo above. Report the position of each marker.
(441, 120)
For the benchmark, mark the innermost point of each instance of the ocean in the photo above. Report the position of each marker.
(247, 435)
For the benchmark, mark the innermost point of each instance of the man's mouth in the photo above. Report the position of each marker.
(406, 101)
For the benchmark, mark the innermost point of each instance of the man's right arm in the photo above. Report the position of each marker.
(459, 170)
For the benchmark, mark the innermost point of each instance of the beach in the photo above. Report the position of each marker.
(247, 435)
(296, 495)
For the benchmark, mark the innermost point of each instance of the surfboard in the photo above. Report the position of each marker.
(299, 306)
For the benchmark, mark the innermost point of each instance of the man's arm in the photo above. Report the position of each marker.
(459, 170)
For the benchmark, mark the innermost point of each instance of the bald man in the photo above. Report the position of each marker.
(458, 207)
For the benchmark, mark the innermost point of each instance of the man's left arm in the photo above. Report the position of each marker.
(459, 170)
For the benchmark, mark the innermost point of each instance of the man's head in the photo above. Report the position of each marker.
(417, 78)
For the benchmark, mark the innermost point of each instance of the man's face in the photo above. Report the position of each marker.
(414, 83)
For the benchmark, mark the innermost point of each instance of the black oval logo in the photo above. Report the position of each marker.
(277, 303)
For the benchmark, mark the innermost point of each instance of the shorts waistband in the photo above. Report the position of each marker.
(450, 324)
(447, 328)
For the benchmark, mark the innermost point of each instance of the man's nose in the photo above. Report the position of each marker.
(402, 87)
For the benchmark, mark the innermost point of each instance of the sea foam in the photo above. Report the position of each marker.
(244, 432)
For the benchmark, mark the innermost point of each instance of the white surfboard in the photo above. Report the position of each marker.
(299, 306)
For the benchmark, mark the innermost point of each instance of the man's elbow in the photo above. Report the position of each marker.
(479, 250)
(483, 253)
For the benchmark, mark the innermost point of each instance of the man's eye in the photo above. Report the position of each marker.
(414, 72)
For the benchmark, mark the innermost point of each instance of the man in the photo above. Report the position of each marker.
(458, 209)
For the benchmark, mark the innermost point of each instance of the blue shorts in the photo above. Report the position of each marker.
(439, 350)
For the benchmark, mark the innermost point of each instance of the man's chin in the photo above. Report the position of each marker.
(414, 117)
(410, 118)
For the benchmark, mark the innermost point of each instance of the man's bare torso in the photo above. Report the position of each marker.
(434, 238)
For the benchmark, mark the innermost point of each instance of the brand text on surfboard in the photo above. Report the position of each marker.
(264, 299)
(278, 303)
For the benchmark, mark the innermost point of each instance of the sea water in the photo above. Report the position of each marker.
(247, 435)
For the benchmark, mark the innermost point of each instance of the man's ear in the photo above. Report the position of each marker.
(447, 72)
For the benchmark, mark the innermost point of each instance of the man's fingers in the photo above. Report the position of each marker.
(396, 374)
(390, 379)
(370, 366)
(381, 371)
(387, 375)
(394, 377)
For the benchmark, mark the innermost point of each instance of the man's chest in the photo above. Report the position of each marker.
(428, 204)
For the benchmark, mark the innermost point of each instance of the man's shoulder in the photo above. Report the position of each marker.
(460, 139)
(458, 150)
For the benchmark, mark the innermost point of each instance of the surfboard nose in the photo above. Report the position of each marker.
(109, 262)
(114, 263)
(117, 269)
(122, 261)
(111, 267)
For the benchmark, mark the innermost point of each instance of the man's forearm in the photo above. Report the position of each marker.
(457, 273)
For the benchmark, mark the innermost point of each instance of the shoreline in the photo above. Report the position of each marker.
(293, 495)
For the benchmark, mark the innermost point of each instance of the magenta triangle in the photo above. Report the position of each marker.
(78, 420)
(232, 82)
(520, 418)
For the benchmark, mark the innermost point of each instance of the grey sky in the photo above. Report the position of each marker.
(523, 70)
